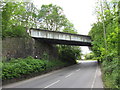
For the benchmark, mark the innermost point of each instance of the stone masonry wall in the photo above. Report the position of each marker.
(24, 47)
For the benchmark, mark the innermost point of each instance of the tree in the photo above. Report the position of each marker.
(69, 27)
(30, 15)
(51, 17)
(10, 15)
(16, 17)
(97, 32)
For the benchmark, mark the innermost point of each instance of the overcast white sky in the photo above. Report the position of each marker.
(79, 12)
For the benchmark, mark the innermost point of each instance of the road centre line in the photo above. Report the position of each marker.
(78, 70)
(68, 75)
(58, 81)
(52, 84)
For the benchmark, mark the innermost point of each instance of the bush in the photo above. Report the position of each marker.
(14, 31)
(89, 56)
(18, 67)
(69, 54)
(110, 73)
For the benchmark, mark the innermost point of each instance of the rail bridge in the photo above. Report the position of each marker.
(55, 37)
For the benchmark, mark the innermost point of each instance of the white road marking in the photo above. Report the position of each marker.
(94, 78)
(52, 84)
(78, 70)
(68, 75)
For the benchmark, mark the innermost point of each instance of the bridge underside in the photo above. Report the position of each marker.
(63, 42)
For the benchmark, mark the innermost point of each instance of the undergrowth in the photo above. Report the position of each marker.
(15, 68)
(111, 77)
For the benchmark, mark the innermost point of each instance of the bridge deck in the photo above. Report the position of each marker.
(56, 37)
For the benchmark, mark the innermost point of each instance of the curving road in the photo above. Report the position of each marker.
(86, 74)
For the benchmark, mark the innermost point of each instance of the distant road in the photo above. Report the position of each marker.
(86, 74)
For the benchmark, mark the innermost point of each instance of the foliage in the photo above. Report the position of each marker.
(51, 17)
(69, 27)
(89, 56)
(69, 53)
(17, 17)
(111, 72)
(107, 25)
(19, 67)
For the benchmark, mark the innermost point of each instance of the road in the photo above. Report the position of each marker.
(86, 74)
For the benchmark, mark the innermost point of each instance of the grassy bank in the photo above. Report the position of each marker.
(16, 68)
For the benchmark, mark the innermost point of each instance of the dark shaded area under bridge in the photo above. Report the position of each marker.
(55, 37)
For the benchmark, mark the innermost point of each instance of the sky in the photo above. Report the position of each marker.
(78, 12)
